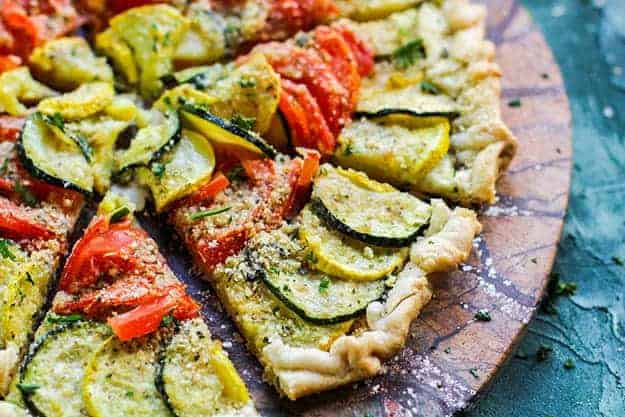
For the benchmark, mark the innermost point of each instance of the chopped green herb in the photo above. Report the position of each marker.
(447, 350)
(302, 39)
(473, 371)
(348, 150)
(5, 250)
(119, 214)
(311, 258)
(25, 194)
(569, 364)
(534, 260)
(28, 388)
(618, 260)
(208, 213)
(409, 53)
(83, 144)
(130, 394)
(167, 321)
(235, 174)
(56, 319)
(515, 103)
(543, 352)
(245, 123)
(158, 169)
(247, 83)
(520, 354)
(566, 288)
(429, 88)
(324, 284)
(29, 278)
(5, 167)
(483, 315)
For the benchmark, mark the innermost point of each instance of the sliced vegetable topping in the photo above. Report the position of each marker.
(16, 223)
(343, 257)
(47, 156)
(181, 171)
(286, 268)
(56, 366)
(151, 142)
(116, 268)
(119, 380)
(87, 100)
(399, 149)
(210, 386)
(367, 210)
(229, 136)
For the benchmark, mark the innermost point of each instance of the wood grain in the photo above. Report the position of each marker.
(450, 357)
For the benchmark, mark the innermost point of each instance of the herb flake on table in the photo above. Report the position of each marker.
(483, 315)
(543, 353)
(516, 103)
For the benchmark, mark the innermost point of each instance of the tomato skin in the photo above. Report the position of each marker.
(208, 191)
(363, 53)
(9, 62)
(10, 128)
(287, 17)
(337, 53)
(101, 242)
(217, 249)
(14, 224)
(118, 6)
(305, 66)
(320, 137)
(295, 117)
(142, 320)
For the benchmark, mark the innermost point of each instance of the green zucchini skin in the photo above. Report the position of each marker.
(321, 321)
(124, 171)
(389, 112)
(36, 172)
(388, 242)
(37, 347)
(257, 141)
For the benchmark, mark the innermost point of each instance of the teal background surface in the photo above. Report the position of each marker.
(588, 329)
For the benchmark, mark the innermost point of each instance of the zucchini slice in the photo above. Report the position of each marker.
(181, 171)
(367, 210)
(119, 380)
(47, 157)
(346, 258)
(286, 268)
(279, 133)
(83, 102)
(224, 133)
(151, 142)
(196, 377)
(409, 100)
(395, 149)
(56, 365)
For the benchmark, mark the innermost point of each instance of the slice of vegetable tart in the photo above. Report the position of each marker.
(325, 296)
(123, 337)
(35, 219)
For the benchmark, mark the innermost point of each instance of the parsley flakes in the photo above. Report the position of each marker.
(5, 250)
(408, 54)
(208, 213)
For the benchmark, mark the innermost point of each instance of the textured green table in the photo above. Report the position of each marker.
(584, 374)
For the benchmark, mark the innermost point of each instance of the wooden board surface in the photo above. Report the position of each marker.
(450, 357)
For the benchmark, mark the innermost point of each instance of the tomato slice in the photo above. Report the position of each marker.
(118, 6)
(208, 191)
(363, 53)
(9, 62)
(142, 320)
(102, 246)
(10, 128)
(287, 17)
(320, 136)
(16, 224)
(306, 66)
(337, 53)
(213, 251)
(295, 117)
(301, 176)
